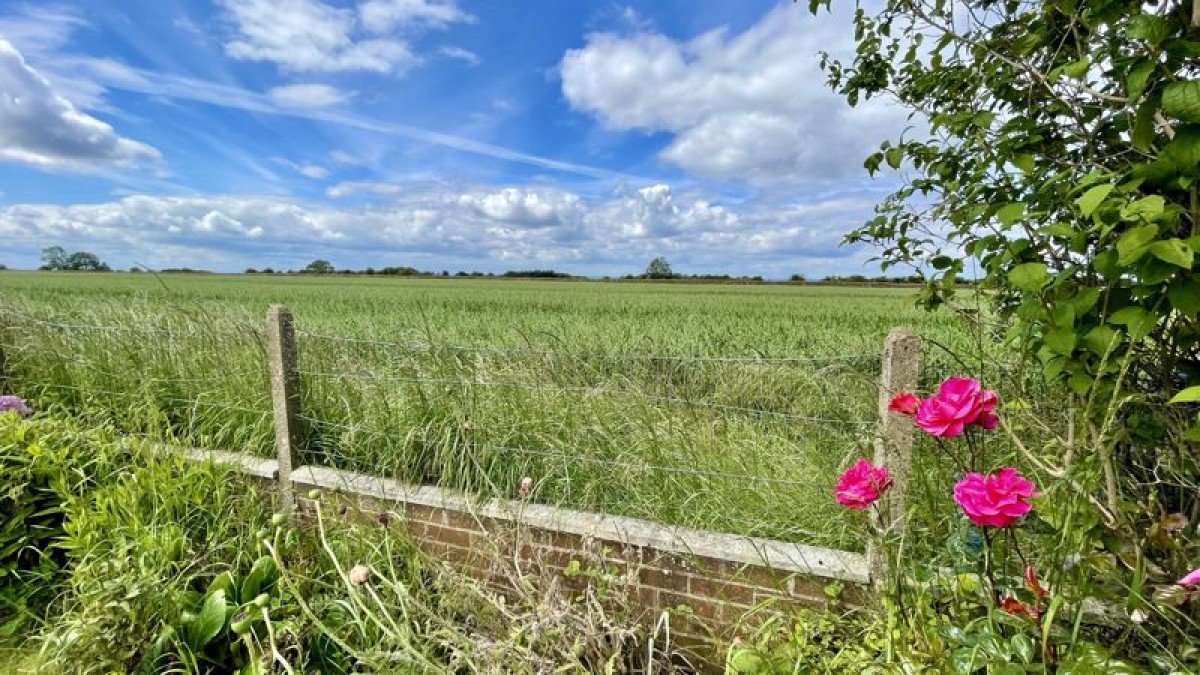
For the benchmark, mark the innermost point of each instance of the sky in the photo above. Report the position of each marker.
(587, 137)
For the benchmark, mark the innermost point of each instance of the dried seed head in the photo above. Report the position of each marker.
(526, 488)
(360, 574)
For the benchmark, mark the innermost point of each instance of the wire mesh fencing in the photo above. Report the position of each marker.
(746, 444)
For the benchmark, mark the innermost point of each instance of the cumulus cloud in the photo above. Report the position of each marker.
(41, 128)
(312, 36)
(510, 226)
(307, 95)
(751, 105)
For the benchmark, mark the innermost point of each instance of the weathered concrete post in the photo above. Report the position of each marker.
(285, 395)
(900, 372)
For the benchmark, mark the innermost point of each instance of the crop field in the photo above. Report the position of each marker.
(722, 407)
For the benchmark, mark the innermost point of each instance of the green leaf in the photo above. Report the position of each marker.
(1010, 213)
(1132, 245)
(224, 582)
(1029, 276)
(1185, 297)
(1181, 100)
(1090, 200)
(1144, 129)
(895, 157)
(1061, 340)
(1099, 339)
(1174, 251)
(1076, 70)
(209, 621)
(1149, 27)
(1189, 395)
(1058, 230)
(1138, 321)
(1135, 81)
(261, 576)
(1146, 208)
(1025, 162)
(1085, 300)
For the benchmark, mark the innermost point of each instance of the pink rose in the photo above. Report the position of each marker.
(904, 403)
(960, 402)
(861, 485)
(995, 500)
(1190, 579)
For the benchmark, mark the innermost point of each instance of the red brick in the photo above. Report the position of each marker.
(719, 589)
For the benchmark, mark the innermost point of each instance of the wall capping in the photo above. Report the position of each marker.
(740, 550)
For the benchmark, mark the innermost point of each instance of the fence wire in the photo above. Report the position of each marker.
(328, 453)
(529, 351)
(595, 391)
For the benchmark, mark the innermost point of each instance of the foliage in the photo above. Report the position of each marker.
(170, 565)
(1063, 159)
(659, 268)
(319, 267)
(56, 258)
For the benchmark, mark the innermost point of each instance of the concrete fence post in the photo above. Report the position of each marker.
(285, 396)
(900, 372)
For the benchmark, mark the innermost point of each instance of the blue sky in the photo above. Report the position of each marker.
(584, 136)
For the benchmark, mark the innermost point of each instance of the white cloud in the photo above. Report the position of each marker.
(307, 95)
(382, 16)
(750, 106)
(307, 36)
(459, 53)
(41, 128)
(483, 227)
(312, 36)
(353, 188)
(306, 169)
(534, 208)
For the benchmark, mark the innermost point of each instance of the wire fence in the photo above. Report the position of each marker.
(736, 465)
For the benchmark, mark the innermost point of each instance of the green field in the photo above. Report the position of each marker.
(724, 407)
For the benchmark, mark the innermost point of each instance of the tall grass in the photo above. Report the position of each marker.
(727, 408)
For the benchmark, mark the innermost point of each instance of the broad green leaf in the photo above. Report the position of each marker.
(895, 157)
(1061, 340)
(1189, 395)
(1174, 251)
(1085, 300)
(224, 582)
(1010, 213)
(1090, 200)
(1144, 129)
(1077, 69)
(1080, 383)
(209, 621)
(1149, 27)
(1146, 208)
(1100, 339)
(1132, 245)
(1024, 162)
(1181, 100)
(1138, 321)
(1029, 276)
(1058, 230)
(260, 578)
(1135, 81)
(1053, 368)
(1185, 297)
(1106, 263)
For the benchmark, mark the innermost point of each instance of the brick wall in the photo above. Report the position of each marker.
(707, 581)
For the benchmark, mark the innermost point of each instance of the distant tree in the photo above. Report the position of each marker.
(268, 270)
(659, 268)
(250, 270)
(799, 278)
(445, 273)
(135, 270)
(319, 267)
(54, 258)
(83, 261)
